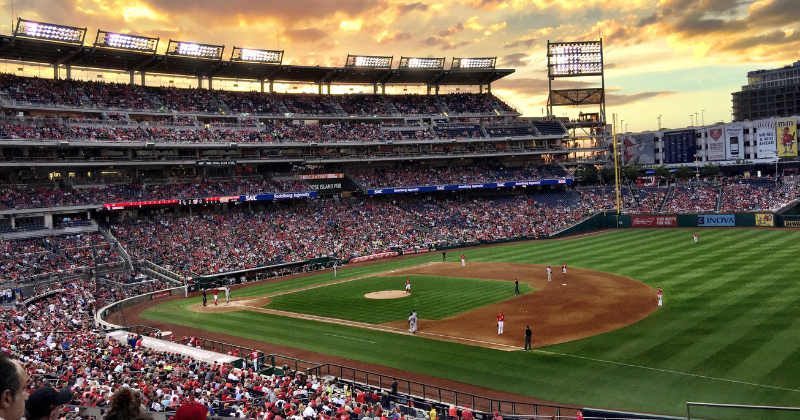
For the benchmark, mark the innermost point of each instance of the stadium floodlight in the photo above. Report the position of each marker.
(369, 61)
(191, 49)
(473, 63)
(257, 56)
(126, 42)
(575, 58)
(49, 31)
(422, 63)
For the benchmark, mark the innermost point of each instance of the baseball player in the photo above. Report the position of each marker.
(408, 285)
(227, 294)
(412, 322)
(660, 302)
(216, 289)
(500, 321)
(463, 260)
(334, 269)
(516, 286)
(186, 290)
(204, 297)
(549, 274)
(695, 237)
(564, 269)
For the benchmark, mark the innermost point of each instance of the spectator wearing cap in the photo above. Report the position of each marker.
(13, 379)
(466, 414)
(192, 410)
(497, 416)
(45, 403)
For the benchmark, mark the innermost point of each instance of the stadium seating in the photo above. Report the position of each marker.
(693, 198)
(549, 128)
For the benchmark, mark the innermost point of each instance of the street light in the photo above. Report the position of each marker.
(659, 123)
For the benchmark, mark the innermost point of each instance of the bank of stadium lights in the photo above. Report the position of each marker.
(257, 56)
(575, 58)
(191, 49)
(369, 61)
(41, 30)
(473, 63)
(422, 63)
(126, 42)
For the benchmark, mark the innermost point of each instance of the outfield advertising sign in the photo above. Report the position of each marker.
(766, 146)
(654, 221)
(786, 131)
(716, 144)
(791, 223)
(734, 141)
(716, 220)
(765, 220)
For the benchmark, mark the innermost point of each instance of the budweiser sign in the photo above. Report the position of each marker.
(654, 221)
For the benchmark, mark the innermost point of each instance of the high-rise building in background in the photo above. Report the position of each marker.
(769, 93)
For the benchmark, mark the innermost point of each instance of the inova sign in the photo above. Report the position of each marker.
(716, 220)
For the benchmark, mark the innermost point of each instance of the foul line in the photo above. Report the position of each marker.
(664, 370)
(349, 338)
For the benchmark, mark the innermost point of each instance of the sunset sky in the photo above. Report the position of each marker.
(668, 57)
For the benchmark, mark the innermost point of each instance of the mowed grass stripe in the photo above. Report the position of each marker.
(731, 297)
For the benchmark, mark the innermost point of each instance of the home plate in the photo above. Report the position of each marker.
(563, 284)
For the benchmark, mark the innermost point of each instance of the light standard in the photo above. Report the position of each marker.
(695, 117)
(691, 118)
(704, 117)
(659, 123)
(621, 125)
(626, 128)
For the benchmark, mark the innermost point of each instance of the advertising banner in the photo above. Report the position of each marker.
(765, 220)
(716, 144)
(734, 141)
(786, 131)
(791, 223)
(639, 149)
(429, 188)
(679, 146)
(654, 221)
(716, 220)
(766, 146)
(159, 295)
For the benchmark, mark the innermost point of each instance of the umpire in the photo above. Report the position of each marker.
(204, 297)
(528, 334)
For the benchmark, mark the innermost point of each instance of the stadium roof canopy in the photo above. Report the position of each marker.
(60, 53)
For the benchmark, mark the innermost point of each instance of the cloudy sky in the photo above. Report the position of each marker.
(663, 57)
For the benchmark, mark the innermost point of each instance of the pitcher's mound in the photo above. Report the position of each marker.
(387, 294)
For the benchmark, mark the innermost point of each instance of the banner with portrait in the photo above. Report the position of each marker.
(786, 133)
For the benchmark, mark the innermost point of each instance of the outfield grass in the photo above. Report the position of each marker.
(728, 332)
(432, 297)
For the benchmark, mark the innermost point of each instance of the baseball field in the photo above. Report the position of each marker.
(728, 331)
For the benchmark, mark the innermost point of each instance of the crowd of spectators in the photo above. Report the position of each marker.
(34, 132)
(353, 132)
(24, 258)
(363, 105)
(254, 103)
(54, 342)
(113, 133)
(692, 198)
(469, 103)
(632, 199)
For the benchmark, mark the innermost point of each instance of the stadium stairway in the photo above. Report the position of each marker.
(667, 198)
(112, 239)
(719, 199)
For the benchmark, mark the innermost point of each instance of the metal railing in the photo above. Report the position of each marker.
(746, 408)
(440, 395)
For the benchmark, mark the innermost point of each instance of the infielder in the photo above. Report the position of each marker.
(695, 237)
(564, 269)
(660, 302)
(186, 290)
(463, 260)
(412, 322)
(549, 274)
(227, 294)
(500, 321)
(334, 269)
(408, 285)
(216, 289)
